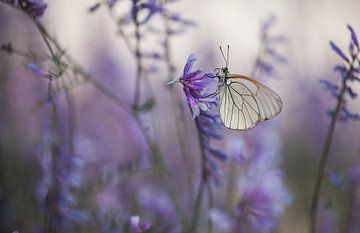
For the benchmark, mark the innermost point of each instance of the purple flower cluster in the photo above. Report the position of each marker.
(201, 93)
(269, 54)
(148, 7)
(262, 202)
(349, 72)
(34, 8)
(199, 87)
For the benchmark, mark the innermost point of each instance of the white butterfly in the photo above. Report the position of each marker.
(244, 102)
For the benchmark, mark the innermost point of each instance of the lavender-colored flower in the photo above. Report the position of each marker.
(156, 201)
(138, 227)
(262, 202)
(199, 87)
(201, 93)
(222, 221)
(269, 54)
(209, 127)
(150, 6)
(177, 18)
(34, 8)
(38, 71)
(349, 72)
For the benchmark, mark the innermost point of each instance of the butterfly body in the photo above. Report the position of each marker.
(244, 102)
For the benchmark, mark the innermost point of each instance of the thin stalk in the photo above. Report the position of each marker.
(197, 207)
(202, 185)
(326, 149)
(52, 217)
(139, 68)
(230, 187)
(179, 121)
(51, 210)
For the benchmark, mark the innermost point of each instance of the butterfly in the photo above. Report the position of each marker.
(244, 102)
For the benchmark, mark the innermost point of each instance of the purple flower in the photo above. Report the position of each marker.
(338, 51)
(255, 212)
(329, 86)
(156, 201)
(138, 227)
(222, 221)
(150, 6)
(353, 36)
(348, 72)
(269, 55)
(199, 87)
(262, 202)
(237, 149)
(35, 8)
(210, 127)
(201, 93)
(177, 18)
(38, 71)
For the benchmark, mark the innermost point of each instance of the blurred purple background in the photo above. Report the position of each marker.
(110, 174)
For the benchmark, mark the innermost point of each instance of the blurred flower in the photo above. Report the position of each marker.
(269, 54)
(157, 202)
(150, 6)
(349, 72)
(199, 87)
(38, 71)
(138, 227)
(177, 18)
(147, 8)
(61, 175)
(263, 201)
(237, 150)
(210, 127)
(34, 8)
(223, 222)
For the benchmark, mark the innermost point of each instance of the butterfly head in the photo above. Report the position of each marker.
(222, 73)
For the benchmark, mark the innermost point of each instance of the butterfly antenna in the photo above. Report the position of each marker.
(227, 56)
(223, 55)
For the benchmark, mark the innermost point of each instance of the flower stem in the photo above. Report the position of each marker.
(139, 68)
(175, 103)
(202, 185)
(326, 149)
(51, 210)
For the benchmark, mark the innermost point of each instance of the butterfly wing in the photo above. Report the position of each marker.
(244, 102)
(238, 108)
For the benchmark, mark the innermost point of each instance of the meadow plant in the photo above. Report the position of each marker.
(256, 197)
(341, 91)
